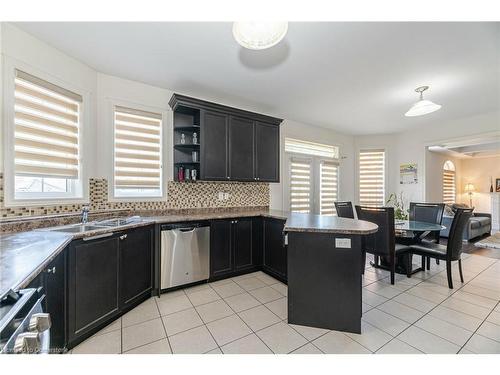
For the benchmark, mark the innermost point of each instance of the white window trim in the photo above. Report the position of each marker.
(166, 148)
(386, 169)
(316, 174)
(8, 77)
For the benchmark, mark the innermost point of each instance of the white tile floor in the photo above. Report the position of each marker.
(247, 314)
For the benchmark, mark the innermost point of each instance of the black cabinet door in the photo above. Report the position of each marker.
(55, 300)
(214, 155)
(267, 151)
(135, 265)
(242, 243)
(275, 257)
(221, 257)
(241, 152)
(93, 284)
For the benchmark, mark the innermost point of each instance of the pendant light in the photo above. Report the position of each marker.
(422, 107)
(259, 35)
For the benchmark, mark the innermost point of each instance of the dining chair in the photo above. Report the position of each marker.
(427, 213)
(344, 209)
(453, 249)
(383, 242)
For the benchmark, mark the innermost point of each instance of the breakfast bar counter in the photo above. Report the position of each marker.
(324, 271)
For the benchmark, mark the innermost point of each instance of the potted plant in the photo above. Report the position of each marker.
(398, 202)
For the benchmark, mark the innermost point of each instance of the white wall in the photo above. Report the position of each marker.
(104, 90)
(117, 91)
(18, 47)
(312, 133)
(478, 172)
(410, 147)
(23, 50)
(434, 163)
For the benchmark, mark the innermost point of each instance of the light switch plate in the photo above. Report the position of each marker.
(343, 243)
(221, 196)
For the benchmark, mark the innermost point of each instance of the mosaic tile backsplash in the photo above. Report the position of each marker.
(179, 196)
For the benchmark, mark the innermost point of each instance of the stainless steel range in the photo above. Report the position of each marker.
(24, 327)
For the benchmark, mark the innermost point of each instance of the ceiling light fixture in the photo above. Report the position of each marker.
(422, 107)
(259, 35)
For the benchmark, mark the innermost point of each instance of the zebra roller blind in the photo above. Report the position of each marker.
(47, 129)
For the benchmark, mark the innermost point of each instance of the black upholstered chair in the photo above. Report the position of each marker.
(344, 209)
(427, 213)
(383, 242)
(452, 251)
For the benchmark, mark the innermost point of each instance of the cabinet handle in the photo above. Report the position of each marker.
(123, 237)
(51, 270)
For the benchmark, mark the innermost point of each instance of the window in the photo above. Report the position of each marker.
(313, 176)
(449, 189)
(372, 177)
(137, 153)
(47, 127)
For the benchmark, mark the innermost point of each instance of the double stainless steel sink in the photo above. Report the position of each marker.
(81, 228)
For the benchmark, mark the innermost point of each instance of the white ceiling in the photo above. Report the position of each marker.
(356, 78)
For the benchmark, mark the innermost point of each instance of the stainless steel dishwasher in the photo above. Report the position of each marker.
(185, 253)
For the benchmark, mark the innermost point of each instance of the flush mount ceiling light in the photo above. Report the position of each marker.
(259, 35)
(422, 107)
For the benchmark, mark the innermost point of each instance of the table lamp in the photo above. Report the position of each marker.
(469, 188)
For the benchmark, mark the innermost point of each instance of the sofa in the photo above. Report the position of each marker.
(479, 223)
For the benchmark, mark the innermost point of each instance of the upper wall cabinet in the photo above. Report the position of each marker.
(221, 143)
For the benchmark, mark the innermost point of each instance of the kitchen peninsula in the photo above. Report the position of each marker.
(324, 271)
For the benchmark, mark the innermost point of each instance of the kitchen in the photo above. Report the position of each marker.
(97, 270)
(191, 198)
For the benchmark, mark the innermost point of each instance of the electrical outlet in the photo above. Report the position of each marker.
(226, 196)
(221, 196)
(343, 243)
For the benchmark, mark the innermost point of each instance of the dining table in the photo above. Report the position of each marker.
(408, 232)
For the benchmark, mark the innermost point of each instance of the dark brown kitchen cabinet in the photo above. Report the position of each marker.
(135, 265)
(107, 276)
(93, 284)
(232, 248)
(221, 254)
(274, 249)
(267, 152)
(241, 149)
(52, 280)
(214, 146)
(243, 244)
(54, 277)
(235, 144)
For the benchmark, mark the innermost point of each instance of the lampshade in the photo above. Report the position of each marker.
(259, 35)
(469, 188)
(422, 107)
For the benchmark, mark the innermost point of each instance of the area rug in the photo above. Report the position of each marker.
(492, 242)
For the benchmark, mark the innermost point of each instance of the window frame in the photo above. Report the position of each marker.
(79, 193)
(358, 174)
(454, 173)
(165, 145)
(315, 175)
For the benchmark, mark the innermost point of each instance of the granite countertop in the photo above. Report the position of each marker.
(23, 255)
(327, 224)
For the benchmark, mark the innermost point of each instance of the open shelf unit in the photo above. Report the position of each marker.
(187, 122)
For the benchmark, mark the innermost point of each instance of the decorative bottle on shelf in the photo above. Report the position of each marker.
(187, 174)
(180, 174)
(183, 139)
(193, 174)
(194, 156)
(195, 138)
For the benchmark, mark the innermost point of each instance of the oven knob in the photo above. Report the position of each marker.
(40, 322)
(27, 343)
